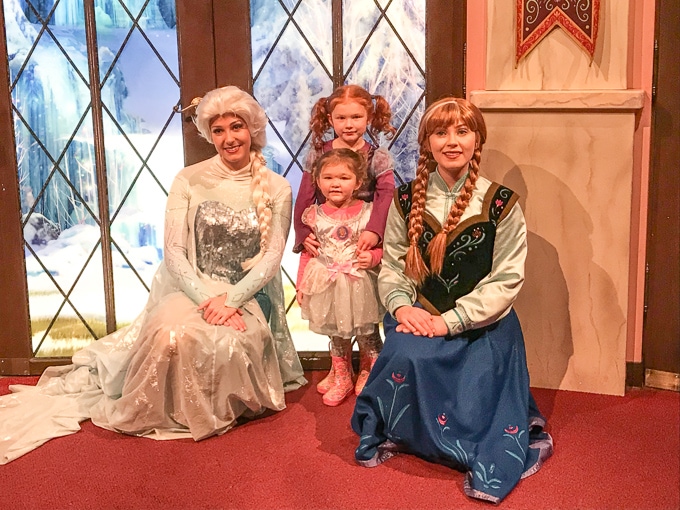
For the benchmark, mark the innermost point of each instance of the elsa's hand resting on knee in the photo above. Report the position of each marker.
(215, 312)
(236, 321)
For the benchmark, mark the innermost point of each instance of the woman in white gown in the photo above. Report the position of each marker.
(212, 343)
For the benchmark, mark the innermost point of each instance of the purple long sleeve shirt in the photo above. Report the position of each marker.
(379, 188)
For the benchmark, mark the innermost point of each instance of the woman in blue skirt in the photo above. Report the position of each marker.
(451, 384)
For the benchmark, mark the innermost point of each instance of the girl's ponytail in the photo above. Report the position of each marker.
(319, 123)
(381, 121)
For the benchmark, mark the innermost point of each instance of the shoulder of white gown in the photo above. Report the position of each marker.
(277, 181)
(201, 166)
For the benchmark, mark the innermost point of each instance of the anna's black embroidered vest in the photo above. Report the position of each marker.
(469, 248)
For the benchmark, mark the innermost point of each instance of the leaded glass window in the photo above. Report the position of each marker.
(56, 110)
(95, 160)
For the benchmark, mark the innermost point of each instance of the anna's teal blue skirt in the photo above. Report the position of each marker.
(463, 401)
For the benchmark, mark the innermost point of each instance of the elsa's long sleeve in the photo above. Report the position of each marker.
(177, 240)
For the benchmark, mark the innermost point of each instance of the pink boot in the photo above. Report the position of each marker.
(342, 384)
(327, 382)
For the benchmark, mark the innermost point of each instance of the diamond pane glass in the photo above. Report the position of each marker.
(134, 268)
(307, 18)
(266, 18)
(282, 94)
(50, 97)
(359, 17)
(67, 24)
(408, 20)
(390, 62)
(166, 157)
(383, 51)
(66, 334)
(67, 292)
(52, 103)
(142, 139)
(21, 35)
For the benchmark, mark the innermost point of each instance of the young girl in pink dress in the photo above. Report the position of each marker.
(351, 111)
(337, 288)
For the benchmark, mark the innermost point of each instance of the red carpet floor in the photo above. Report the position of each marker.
(610, 453)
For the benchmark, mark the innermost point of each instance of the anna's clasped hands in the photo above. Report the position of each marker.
(420, 322)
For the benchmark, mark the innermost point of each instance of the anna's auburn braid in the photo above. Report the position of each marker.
(437, 247)
(415, 267)
(263, 205)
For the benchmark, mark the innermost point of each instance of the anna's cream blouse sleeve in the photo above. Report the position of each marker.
(394, 287)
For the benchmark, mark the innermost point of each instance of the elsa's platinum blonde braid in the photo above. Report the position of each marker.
(263, 205)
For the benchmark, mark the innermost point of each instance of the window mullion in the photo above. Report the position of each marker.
(338, 54)
(100, 163)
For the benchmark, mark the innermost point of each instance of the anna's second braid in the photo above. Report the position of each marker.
(437, 247)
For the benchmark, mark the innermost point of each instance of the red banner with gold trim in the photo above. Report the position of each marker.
(536, 18)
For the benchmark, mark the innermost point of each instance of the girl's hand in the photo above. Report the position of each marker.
(367, 241)
(364, 260)
(215, 312)
(312, 245)
(416, 321)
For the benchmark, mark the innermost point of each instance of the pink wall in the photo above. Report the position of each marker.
(640, 68)
(475, 72)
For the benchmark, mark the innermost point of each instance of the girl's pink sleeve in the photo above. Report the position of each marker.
(304, 259)
(376, 255)
(382, 198)
(306, 197)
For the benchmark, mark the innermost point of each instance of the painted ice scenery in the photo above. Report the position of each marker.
(136, 49)
(48, 54)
